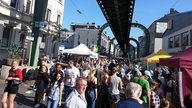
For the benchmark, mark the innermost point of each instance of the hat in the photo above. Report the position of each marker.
(146, 72)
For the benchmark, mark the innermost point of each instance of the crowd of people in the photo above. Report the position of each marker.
(96, 83)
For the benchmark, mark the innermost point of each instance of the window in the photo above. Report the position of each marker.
(13, 3)
(58, 19)
(170, 43)
(22, 39)
(191, 37)
(6, 35)
(48, 16)
(176, 41)
(184, 39)
(28, 6)
(43, 38)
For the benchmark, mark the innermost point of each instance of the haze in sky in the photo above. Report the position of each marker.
(145, 12)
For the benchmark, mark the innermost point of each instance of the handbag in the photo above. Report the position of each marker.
(16, 82)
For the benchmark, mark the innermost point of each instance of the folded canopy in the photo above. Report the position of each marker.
(157, 56)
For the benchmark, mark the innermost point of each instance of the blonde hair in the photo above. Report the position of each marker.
(107, 71)
(114, 70)
(91, 74)
(165, 103)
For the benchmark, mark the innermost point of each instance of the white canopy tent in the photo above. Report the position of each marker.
(81, 50)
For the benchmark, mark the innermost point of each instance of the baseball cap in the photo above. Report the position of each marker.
(146, 72)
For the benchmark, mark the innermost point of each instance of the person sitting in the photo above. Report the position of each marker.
(133, 92)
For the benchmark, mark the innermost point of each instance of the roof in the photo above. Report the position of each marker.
(118, 14)
(155, 58)
(180, 60)
(179, 21)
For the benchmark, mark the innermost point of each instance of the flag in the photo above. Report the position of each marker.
(92, 46)
(95, 49)
(87, 42)
(79, 39)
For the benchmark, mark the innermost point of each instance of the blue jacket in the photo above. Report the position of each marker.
(129, 103)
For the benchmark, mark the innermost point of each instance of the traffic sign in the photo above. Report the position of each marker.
(32, 23)
(30, 38)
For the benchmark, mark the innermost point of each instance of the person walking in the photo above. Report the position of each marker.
(15, 75)
(42, 84)
(76, 98)
(155, 100)
(55, 91)
(114, 87)
(133, 92)
(143, 81)
(91, 91)
(71, 74)
(103, 90)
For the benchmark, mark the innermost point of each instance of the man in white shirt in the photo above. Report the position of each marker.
(71, 74)
(76, 98)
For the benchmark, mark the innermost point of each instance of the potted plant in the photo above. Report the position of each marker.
(14, 53)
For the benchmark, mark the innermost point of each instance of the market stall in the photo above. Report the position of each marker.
(81, 50)
(183, 61)
(153, 58)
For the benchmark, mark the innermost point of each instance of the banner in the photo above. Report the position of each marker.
(95, 49)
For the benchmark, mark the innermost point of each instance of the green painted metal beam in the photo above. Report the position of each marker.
(39, 15)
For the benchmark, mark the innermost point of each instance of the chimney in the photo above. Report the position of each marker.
(172, 10)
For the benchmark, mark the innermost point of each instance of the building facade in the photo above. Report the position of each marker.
(15, 18)
(14, 22)
(178, 36)
(86, 34)
(156, 30)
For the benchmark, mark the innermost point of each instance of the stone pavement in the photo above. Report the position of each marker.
(25, 96)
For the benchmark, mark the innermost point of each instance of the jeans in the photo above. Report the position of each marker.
(52, 103)
(90, 98)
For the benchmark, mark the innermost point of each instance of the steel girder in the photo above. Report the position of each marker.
(118, 14)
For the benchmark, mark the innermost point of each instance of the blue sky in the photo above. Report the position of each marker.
(145, 12)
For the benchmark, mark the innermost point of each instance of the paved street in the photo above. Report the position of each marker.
(25, 97)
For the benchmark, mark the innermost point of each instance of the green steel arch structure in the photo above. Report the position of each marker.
(147, 36)
(138, 46)
(112, 40)
(115, 48)
(145, 30)
(99, 36)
